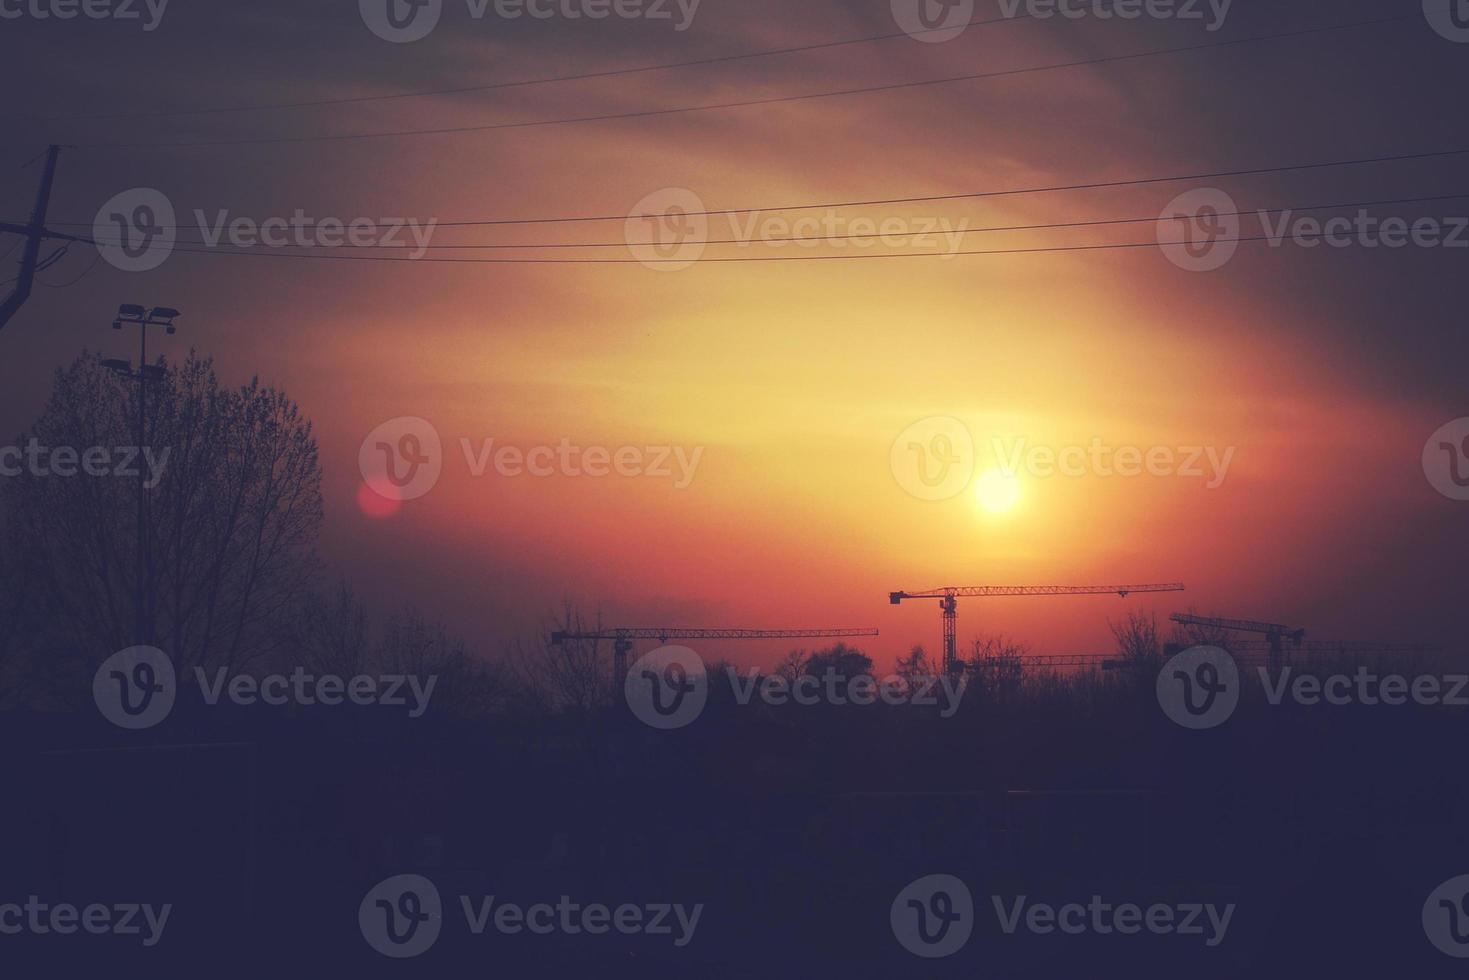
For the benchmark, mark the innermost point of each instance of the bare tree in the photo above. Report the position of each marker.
(792, 665)
(841, 659)
(574, 676)
(333, 633)
(995, 661)
(233, 505)
(465, 686)
(914, 667)
(1137, 638)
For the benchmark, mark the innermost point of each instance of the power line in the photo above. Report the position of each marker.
(276, 253)
(72, 282)
(1048, 226)
(706, 261)
(518, 83)
(775, 100)
(932, 198)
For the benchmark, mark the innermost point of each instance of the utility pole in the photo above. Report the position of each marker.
(34, 233)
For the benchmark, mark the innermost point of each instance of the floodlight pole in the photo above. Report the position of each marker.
(141, 609)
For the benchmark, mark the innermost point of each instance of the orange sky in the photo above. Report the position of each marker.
(795, 380)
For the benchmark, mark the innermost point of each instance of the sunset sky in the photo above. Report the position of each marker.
(1325, 369)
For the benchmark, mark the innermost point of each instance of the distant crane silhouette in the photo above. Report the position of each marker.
(1274, 633)
(949, 596)
(622, 638)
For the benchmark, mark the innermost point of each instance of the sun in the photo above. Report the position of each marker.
(997, 491)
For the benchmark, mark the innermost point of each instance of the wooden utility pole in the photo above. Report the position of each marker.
(34, 233)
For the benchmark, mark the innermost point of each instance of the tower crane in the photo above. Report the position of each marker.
(948, 597)
(1274, 633)
(622, 638)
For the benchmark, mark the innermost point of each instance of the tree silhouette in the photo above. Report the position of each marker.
(232, 518)
(844, 661)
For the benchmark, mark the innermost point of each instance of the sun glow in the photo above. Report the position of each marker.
(997, 491)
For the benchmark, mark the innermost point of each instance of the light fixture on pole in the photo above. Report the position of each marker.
(130, 314)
